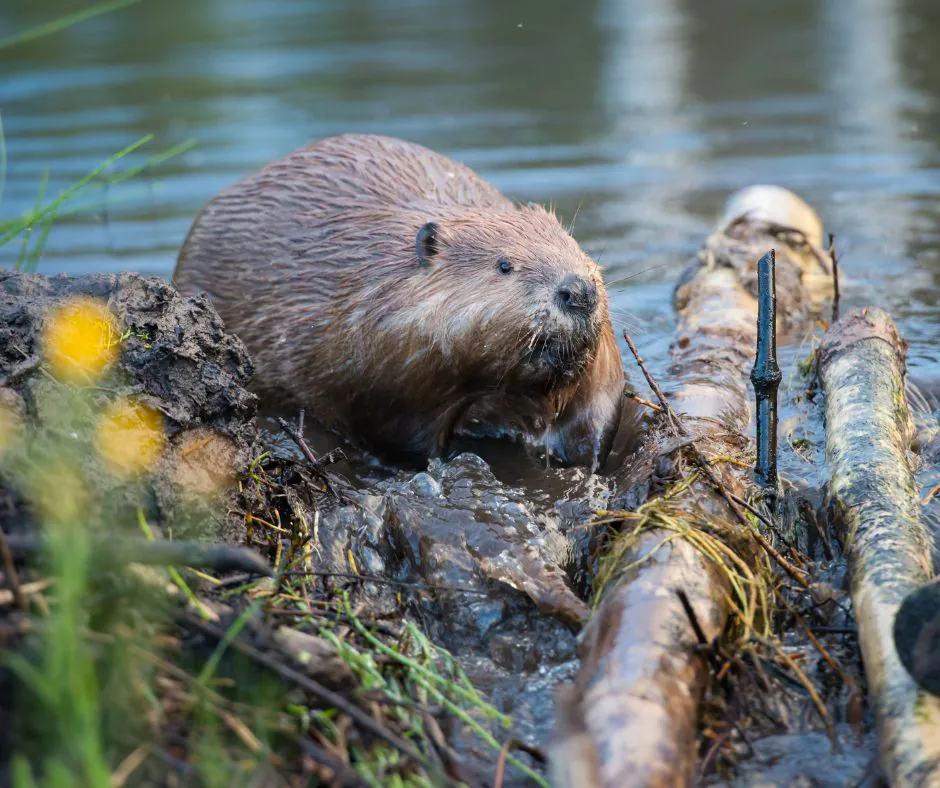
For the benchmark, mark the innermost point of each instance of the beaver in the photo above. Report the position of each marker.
(403, 301)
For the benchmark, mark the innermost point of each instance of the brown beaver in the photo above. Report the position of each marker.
(403, 300)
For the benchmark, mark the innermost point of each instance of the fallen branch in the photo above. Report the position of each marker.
(631, 717)
(198, 555)
(874, 500)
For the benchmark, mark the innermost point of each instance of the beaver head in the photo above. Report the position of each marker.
(520, 311)
(512, 292)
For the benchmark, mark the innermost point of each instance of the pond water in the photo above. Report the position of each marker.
(637, 116)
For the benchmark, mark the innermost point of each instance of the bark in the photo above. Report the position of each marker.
(630, 719)
(874, 499)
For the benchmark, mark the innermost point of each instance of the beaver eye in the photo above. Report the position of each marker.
(505, 266)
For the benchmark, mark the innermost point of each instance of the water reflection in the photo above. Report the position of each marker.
(639, 116)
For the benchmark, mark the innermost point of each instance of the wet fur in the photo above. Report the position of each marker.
(312, 263)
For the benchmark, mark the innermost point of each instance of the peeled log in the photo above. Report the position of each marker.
(631, 717)
(874, 498)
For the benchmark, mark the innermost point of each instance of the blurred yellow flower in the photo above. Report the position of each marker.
(80, 340)
(204, 461)
(130, 437)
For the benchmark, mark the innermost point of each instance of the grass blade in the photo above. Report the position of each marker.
(63, 23)
(11, 229)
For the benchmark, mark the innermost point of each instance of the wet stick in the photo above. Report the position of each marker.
(765, 376)
(631, 717)
(874, 499)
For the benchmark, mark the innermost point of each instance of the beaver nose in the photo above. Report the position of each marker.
(576, 294)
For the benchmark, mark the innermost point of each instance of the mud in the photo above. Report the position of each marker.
(491, 557)
(174, 356)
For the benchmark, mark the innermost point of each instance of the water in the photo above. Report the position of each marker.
(639, 116)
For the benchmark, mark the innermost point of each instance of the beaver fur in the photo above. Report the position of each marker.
(402, 300)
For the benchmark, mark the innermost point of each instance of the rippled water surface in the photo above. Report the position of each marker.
(638, 116)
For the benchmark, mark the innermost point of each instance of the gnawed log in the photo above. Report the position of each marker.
(874, 500)
(630, 719)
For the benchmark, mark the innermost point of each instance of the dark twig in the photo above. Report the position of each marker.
(835, 277)
(693, 619)
(387, 581)
(309, 685)
(766, 376)
(10, 571)
(709, 472)
(670, 413)
(451, 762)
(762, 517)
(20, 370)
(159, 552)
(712, 751)
(318, 463)
(343, 776)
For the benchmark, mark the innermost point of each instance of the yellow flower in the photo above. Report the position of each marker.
(130, 437)
(80, 340)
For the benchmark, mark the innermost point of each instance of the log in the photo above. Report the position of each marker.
(630, 718)
(873, 498)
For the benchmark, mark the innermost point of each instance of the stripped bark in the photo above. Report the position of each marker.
(630, 719)
(874, 500)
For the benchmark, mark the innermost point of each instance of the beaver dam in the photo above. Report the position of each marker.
(194, 593)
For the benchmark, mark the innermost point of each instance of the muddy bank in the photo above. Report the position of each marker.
(411, 614)
(488, 571)
(172, 356)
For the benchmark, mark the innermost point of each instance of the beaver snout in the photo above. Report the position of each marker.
(576, 295)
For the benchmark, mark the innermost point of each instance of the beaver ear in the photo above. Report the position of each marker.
(428, 242)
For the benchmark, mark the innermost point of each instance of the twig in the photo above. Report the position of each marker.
(646, 402)
(808, 686)
(309, 685)
(387, 581)
(693, 619)
(670, 413)
(449, 759)
(128, 766)
(501, 764)
(930, 495)
(762, 517)
(766, 375)
(159, 552)
(342, 775)
(10, 571)
(508, 746)
(712, 751)
(317, 463)
(846, 679)
(20, 370)
(709, 473)
(835, 277)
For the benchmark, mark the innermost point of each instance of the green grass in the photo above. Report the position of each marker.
(100, 687)
(33, 227)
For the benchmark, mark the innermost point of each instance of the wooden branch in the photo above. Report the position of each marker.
(873, 495)
(631, 717)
